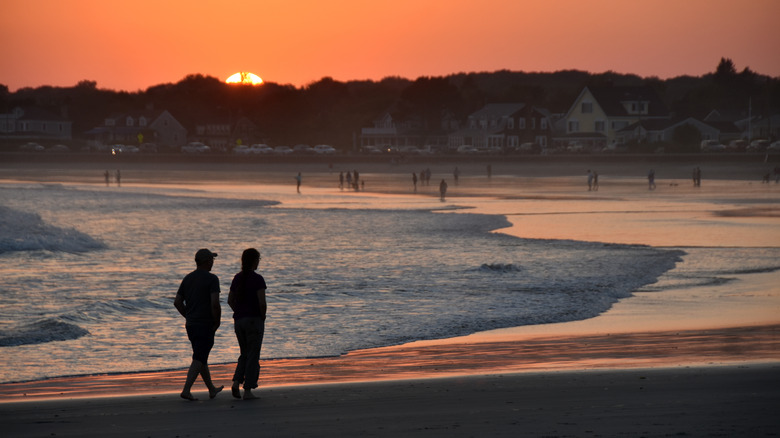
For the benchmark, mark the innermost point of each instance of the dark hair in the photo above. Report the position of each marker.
(249, 258)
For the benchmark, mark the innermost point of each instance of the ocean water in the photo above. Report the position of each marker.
(88, 275)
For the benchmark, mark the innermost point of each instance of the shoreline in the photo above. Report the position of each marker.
(541, 189)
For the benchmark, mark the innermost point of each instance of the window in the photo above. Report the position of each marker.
(543, 124)
(129, 121)
(587, 107)
(142, 121)
(521, 122)
(574, 126)
(510, 123)
(599, 127)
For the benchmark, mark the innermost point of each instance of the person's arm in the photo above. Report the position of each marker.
(178, 303)
(216, 310)
(232, 300)
(262, 302)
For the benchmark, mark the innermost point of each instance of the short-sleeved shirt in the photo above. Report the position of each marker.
(244, 287)
(196, 289)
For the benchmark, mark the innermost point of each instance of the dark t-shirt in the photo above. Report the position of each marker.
(244, 288)
(196, 289)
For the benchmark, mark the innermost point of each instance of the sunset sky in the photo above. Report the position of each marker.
(132, 45)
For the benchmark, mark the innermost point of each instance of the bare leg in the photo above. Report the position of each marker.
(192, 374)
(236, 390)
(205, 374)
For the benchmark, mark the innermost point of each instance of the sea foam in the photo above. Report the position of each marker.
(23, 231)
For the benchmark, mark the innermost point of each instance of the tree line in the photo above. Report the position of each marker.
(333, 112)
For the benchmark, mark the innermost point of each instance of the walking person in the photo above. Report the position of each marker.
(414, 181)
(595, 181)
(590, 180)
(651, 180)
(247, 299)
(298, 182)
(197, 300)
(443, 189)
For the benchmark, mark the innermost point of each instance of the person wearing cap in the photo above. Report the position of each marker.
(247, 299)
(197, 300)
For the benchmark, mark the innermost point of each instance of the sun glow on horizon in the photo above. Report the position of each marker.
(244, 77)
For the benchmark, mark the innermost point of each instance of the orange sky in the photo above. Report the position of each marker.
(131, 45)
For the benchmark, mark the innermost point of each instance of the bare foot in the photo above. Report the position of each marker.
(187, 396)
(249, 396)
(236, 392)
(216, 391)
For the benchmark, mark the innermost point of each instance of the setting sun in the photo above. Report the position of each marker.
(244, 77)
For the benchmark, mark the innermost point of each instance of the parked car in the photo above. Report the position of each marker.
(31, 147)
(260, 149)
(737, 146)
(241, 149)
(528, 148)
(774, 147)
(303, 149)
(467, 150)
(323, 149)
(195, 147)
(712, 146)
(371, 150)
(759, 145)
(283, 150)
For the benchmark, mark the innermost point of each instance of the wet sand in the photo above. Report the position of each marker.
(658, 364)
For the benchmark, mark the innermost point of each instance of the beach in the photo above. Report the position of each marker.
(700, 360)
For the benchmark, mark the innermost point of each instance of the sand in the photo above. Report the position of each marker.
(677, 363)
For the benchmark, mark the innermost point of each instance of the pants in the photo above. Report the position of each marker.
(249, 332)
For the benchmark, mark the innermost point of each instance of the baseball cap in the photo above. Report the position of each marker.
(204, 254)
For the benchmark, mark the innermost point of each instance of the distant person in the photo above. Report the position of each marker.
(456, 174)
(356, 180)
(341, 180)
(777, 174)
(197, 300)
(590, 180)
(489, 171)
(107, 177)
(443, 189)
(414, 181)
(697, 177)
(651, 179)
(247, 299)
(298, 182)
(595, 181)
(118, 179)
(428, 176)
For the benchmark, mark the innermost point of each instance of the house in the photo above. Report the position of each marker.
(34, 123)
(600, 113)
(397, 129)
(147, 126)
(224, 134)
(504, 126)
(767, 128)
(663, 131)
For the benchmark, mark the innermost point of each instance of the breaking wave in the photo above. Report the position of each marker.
(23, 231)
